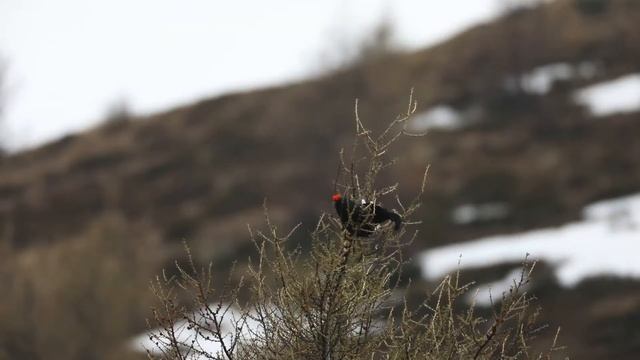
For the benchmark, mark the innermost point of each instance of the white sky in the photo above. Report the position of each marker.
(70, 60)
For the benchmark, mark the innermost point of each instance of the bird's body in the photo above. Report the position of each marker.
(361, 217)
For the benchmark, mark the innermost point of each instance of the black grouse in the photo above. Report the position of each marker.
(361, 218)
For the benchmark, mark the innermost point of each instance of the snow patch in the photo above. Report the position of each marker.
(605, 242)
(444, 117)
(488, 294)
(185, 334)
(439, 117)
(470, 213)
(541, 79)
(616, 96)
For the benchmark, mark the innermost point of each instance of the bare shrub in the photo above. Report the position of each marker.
(117, 116)
(79, 299)
(345, 52)
(341, 299)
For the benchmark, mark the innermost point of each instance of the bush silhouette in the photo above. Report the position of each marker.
(342, 298)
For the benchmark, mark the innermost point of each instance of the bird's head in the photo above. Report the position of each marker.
(336, 198)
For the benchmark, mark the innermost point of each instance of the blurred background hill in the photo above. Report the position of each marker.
(529, 119)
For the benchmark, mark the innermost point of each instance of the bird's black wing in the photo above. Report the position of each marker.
(381, 215)
(354, 217)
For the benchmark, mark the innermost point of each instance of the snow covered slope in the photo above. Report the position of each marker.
(605, 242)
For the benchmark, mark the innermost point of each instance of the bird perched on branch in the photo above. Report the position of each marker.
(362, 217)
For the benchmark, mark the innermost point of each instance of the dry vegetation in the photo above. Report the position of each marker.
(181, 169)
(342, 299)
(79, 299)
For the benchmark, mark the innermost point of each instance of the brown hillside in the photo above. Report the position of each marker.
(191, 169)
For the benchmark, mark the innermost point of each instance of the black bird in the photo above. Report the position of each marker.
(361, 218)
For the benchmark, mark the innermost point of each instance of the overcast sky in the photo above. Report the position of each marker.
(71, 60)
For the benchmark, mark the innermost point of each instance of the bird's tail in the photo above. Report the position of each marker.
(397, 220)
